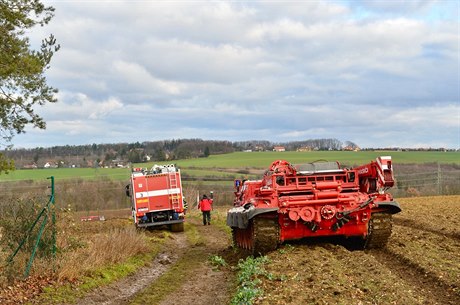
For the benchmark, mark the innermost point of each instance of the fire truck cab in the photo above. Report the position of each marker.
(156, 197)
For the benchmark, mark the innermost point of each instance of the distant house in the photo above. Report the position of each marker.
(351, 148)
(305, 148)
(49, 165)
(119, 163)
(279, 148)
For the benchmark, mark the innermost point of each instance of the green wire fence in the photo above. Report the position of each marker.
(41, 221)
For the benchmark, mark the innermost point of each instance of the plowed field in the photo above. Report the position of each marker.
(420, 265)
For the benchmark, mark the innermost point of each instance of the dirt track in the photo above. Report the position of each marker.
(202, 285)
(122, 292)
(206, 285)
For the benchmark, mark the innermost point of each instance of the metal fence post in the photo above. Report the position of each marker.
(53, 221)
(49, 207)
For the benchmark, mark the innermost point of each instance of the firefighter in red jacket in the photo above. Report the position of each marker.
(205, 205)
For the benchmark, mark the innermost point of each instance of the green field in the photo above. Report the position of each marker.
(66, 173)
(262, 160)
(215, 165)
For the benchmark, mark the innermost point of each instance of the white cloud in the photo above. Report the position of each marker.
(395, 6)
(435, 116)
(105, 108)
(364, 71)
(77, 107)
(137, 77)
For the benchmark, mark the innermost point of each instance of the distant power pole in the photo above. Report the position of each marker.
(439, 180)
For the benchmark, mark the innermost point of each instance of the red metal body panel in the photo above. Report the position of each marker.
(156, 192)
(152, 193)
(319, 202)
(290, 229)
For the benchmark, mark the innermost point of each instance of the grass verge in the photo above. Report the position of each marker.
(104, 275)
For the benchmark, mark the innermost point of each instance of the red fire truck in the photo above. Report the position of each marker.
(156, 197)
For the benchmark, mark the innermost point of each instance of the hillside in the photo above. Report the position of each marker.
(120, 154)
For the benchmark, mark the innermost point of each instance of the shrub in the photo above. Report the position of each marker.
(249, 270)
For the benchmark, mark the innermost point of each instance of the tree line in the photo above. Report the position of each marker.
(166, 150)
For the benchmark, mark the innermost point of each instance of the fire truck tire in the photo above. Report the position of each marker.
(177, 227)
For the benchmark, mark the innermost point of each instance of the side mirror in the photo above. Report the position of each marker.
(128, 193)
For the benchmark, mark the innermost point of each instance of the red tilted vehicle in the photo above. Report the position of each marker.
(156, 197)
(311, 200)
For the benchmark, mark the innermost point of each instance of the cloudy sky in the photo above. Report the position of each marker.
(378, 73)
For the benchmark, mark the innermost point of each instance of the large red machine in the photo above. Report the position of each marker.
(311, 200)
(156, 197)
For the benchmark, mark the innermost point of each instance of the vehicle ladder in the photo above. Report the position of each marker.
(173, 197)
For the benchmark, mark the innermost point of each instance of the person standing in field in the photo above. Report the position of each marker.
(205, 205)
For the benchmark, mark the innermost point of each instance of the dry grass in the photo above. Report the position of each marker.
(82, 247)
(90, 254)
(102, 249)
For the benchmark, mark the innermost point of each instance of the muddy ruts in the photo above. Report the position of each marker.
(380, 227)
(260, 237)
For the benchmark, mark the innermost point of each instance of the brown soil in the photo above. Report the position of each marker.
(420, 264)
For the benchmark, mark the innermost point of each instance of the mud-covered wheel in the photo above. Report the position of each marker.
(379, 231)
(177, 227)
(260, 237)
